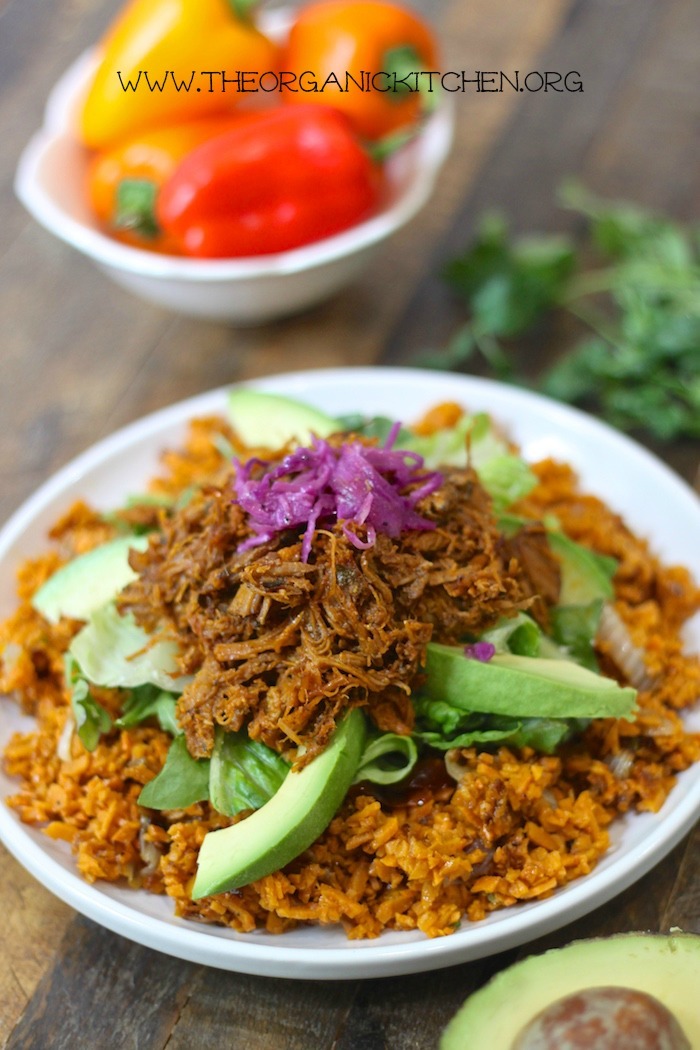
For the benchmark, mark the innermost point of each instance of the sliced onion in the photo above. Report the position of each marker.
(620, 764)
(63, 744)
(455, 764)
(10, 655)
(150, 855)
(484, 866)
(628, 656)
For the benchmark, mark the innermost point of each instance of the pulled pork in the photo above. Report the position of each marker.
(285, 646)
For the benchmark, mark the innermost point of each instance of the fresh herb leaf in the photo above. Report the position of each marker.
(575, 376)
(459, 351)
(508, 286)
(633, 284)
(622, 229)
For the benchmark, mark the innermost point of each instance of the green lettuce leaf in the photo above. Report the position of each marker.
(447, 446)
(91, 719)
(147, 701)
(113, 651)
(442, 726)
(244, 773)
(182, 781)
(507, 479)
(378, 427)
(504, 474)
(241, 774)
(387, 759)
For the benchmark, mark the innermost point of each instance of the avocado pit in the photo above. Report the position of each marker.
(608, 1018)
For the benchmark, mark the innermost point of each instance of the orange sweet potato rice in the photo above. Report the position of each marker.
(517, 826)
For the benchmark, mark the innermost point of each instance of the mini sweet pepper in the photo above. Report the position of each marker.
(123, 182)
(171, 60)
(365, 57)
(280, 179)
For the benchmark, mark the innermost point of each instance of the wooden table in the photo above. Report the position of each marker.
(80, 358)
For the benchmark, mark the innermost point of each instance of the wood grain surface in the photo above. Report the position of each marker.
(80, 357)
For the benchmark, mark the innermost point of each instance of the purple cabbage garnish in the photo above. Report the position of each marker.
(481, 651)
(354, 484)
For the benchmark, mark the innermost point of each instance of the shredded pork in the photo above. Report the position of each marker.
(286, 646)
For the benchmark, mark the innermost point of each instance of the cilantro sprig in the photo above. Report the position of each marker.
(636, 356)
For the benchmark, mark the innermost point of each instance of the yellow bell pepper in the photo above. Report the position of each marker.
(191, 43)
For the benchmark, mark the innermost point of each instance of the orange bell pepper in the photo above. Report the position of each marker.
(377, 38)
(190, 43)
(123, 182)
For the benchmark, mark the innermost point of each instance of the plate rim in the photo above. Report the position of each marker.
(249, 953)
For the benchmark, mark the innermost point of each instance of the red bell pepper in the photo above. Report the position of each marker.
(123, 182)
(281, 179)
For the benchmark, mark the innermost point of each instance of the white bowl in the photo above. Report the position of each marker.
(50, 182)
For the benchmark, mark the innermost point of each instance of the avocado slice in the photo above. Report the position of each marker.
(271, 420)
(665, 967)
(83, 585)
(523, 686)
(585, 575)
(285, 826)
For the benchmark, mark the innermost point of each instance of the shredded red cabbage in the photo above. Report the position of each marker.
(354, 484)
(481, 651)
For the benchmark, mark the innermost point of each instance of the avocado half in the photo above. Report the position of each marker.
(666, 967)
(264, 420)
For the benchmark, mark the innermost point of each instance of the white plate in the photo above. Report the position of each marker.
(652, 498)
